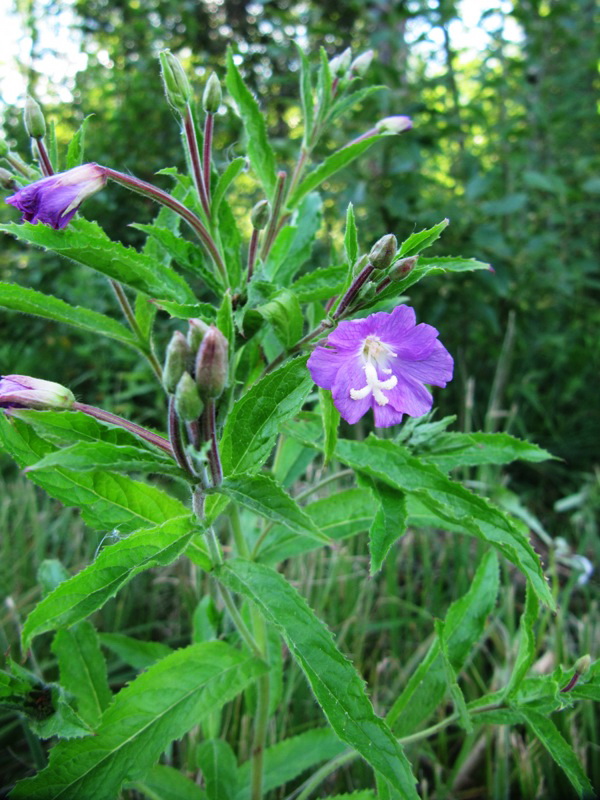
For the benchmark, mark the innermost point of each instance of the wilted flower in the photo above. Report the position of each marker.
(381, 362)
(21, 391)
(55, 200)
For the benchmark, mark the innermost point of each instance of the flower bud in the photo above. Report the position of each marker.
(35, 124)
(402, 267)
(211, 99)
(196, 332)
(582, 665)
(211, 364)
(259, 216)
(383, 252)
(359, 265)
(339, 65)
(177, 86)
(397, 124)
(368, 291)
(188, 404)
(176, 361)
(361, 63)
(7, 180)
(21, 391)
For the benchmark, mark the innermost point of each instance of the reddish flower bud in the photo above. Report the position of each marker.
(211, 364)
(383, 252)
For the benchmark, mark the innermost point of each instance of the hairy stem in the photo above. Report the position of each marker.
(252, 250)
(209, 425)
(271, 230)
(121, 422)
(176, 440)
(194, 153)
(207, 152)
(45, 163)
(129, 315)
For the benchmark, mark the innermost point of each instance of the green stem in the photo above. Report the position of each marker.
(194, 154)
(271, 230)
(129, 315)
(261, 720)
(236, 528)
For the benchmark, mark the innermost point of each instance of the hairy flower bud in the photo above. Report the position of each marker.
(188, 404)
(21, 391)
(7, 180)
(211, 364)
(402, 267)
(35, 124)
(259, 216)
(196, 332)
(361, 63)
(177, 86)
(176, 361)
(211, 99)
(397, 124)
(339, 65)
(582, 665)
(383, 252)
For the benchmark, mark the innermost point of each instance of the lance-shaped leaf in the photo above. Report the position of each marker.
(335, 683)
(86, 243)
(28, 301)
(160, 705)
(260, 493)
(76, 149)
(260, 152)
(471, 449)
(228, 175)
(253, 423)
(320, 284)
(219, 768)
(293, 245)
(167, 783)
(88, 590)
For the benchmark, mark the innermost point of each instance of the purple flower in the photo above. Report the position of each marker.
(21, 391)
(381, 362)
(55, 200)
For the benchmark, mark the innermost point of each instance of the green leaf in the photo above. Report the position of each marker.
(76, 149)
(344, 104)
(458, 699)
(260, 153)
(389, 523)
(86, 243)
(28, 301)
(306, 94)
(331, 420)
(340, 516)
(254, 421)
(298, 240)
(83, 670)
(351, 236)
(417, 242)
(289, 758)
(227, 177)
(260, 493)
(336, 685)
(527, 643)
(107, 500)
(86, 456)
(560, 750)
(285, 315)
(464, 626)
(115, 566)
(167, 783)
(334, 163)
(219, 768)
(392, 464)
(134, 652)
(321, 284)
(143, 719)
(471, 449)
(204, 311)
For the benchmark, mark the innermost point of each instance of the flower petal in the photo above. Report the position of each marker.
(324, 364)
(437, 369)
(385, 416)
(409, 396)
(352, 376)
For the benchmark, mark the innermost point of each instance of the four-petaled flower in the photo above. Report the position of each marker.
(381, 362)
(55, 200)
(21, 391)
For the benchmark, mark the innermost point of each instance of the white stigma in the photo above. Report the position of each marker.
(375, 353)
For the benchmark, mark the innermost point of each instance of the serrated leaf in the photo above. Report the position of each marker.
(218, 763)
(560, 750)
(298, 240)
(335, 683)
(344, 104)
(464, 625)
(339, 516)
(260, 493)
(389, 523)
(351, 236)
(456, 694)
(143, 719)
(85, 456)
(134, 652)
(83, 670)
(306, 95)
(331, 420)
(471, 449)
(260, 153)
(86, 243)
(76, 149)
(321, 284)
(392, 464)
(254, 421)
(417, 242)
(167, 783)
(527, 649)
(229, 174)
(334, 163)
(115, 566)
(204, 311)
(283, 312)
(289, 758)
(29, 301)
